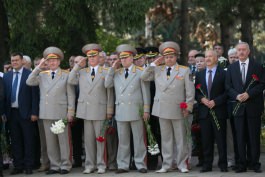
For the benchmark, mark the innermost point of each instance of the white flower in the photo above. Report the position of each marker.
(222, 59)
(58, 127)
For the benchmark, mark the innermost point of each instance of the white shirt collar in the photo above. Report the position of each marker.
(247, 62)
(20, 70)
(54, 71)
(130, 68)
(95, 68)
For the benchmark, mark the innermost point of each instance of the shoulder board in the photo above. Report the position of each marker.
(45, 72)
(83, 69)
(106, 68)
(140, 68)
(184, 67)
(117, 70)
(65, 71)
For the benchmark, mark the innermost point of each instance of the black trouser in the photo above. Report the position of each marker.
(209, 135)
(23, 143)
(248, 130)
(77, 134)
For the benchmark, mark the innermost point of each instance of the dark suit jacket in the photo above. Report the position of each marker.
(218, 93)
(28, 97)
(234, 86)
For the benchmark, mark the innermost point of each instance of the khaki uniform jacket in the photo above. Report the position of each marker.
(57, 97)
(170, 92)
(132, 94)
(95, 101)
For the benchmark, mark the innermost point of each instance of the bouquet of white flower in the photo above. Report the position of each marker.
(153, 148)
(58, 126)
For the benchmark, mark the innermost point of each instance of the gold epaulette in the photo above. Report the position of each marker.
(181, 66)
(117, 70)
(65, 71)
(140, 68)
(45, 72)
(105, 68)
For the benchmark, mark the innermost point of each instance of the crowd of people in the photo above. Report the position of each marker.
(105, 101)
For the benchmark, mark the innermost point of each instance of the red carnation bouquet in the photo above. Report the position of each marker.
(101, 137)
(254, 79)
(212, 112)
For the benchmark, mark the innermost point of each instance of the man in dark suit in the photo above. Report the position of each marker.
(213, 98)
(247, 119)
(21, 109)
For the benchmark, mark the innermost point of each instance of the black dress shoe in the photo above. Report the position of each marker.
(5, 166)
(199, 164)
(142, 170)
(241, 170)
(203, 170)
(223, 170)
(63, 172)
(51, 172)
(16, 171)
(258, 170)
(121, 171)
(28, 171)
(76, 165)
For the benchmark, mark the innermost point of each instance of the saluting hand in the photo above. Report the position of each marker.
(159, 61)
(82, 61)
(116, 64)
(42, 64)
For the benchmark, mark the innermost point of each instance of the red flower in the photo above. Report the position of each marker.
(198, 86)
(100, 139)
(111, 130)
(183, 105)
(195, 128)
(255, 77)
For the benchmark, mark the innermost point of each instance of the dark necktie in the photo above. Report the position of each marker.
(168, 72)
(126, 73)
(14, 88)
(193, 69)
(210, 82)
(243, 73)
(93, 74)
(53, 74)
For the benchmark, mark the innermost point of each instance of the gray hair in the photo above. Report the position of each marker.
(231, 51)
(27, 58)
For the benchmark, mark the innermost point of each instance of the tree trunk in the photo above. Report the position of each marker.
(184, 32)
(246, 22)
(4, 34)
(225, 36)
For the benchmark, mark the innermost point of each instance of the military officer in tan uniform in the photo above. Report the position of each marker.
(132, 96)
(57, 101)
(95, 104)
(173, 86)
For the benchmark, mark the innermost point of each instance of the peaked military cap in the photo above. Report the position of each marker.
(151, 52)
(125, 50)
(140, 53)
(169, 48)
(91, 49)
(53, 53)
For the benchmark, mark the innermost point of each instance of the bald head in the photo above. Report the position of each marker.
(191, 57)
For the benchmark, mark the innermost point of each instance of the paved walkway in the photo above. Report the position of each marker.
(77, 172)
